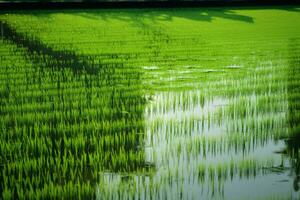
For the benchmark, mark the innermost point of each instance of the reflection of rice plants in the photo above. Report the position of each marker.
(292, 148)
(243, 168)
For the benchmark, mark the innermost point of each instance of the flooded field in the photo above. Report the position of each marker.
(150, 104)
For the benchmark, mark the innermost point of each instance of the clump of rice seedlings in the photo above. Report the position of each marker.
(245, 168)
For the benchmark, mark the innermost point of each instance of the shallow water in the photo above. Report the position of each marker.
(175, 131)
(210, 144)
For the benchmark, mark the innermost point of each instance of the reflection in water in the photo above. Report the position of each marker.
(210, 142)
(293, 141)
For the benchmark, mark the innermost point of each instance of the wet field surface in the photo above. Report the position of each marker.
(150, 104)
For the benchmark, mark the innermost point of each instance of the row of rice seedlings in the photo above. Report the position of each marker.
(201, 148)
(216, 175)
(142, 187)
(171, 124)
(70, 190)
(174, 182)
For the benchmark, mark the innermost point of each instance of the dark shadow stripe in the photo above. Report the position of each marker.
(46, 56)
(142, 4)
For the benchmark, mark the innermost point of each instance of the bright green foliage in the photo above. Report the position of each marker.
(148, 104)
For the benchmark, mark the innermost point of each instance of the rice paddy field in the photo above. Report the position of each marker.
(194, 103)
